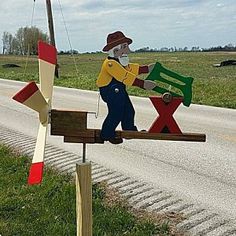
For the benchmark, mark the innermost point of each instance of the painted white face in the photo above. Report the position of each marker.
(124, 60)
(121, 53)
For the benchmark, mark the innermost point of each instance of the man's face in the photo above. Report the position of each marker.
(124, 50)
(122, 54)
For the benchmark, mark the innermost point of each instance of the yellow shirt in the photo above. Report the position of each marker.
(113, 69)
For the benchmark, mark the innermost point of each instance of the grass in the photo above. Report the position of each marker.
(49, 209)
(212, 86)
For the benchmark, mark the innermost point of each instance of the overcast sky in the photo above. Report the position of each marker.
(153, 23)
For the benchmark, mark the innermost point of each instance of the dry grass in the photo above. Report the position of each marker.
(170, 219)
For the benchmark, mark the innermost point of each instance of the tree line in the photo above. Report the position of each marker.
(228, 47)
(23, 42)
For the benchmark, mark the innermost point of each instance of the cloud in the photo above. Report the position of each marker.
(154, 23)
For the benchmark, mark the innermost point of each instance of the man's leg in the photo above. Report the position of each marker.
(127, 122)
(115, 100)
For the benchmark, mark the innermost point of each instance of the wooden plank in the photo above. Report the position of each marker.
(73, 139)
(84, 199)
(73, 125)
(88, 133)
(163, 136)
(88, 136)
(79, 138)
(65, 122)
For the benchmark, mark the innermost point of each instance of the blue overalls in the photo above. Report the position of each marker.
(120, 109)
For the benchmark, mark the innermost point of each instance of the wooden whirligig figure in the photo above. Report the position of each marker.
(116, 73)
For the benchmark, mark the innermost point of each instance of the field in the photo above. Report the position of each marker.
(212, 86)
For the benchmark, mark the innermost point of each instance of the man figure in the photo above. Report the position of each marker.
(115, 74)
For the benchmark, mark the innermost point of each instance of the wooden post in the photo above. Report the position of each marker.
(84, 199)
(51, 31)
(50, 23)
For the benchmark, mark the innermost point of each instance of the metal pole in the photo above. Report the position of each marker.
(84, 153)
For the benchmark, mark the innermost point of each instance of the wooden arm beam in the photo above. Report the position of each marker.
(93, 136)
(73, 126)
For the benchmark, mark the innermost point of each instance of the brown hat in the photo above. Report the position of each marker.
(115, 39)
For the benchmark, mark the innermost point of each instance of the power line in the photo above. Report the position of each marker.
(28, 50)
(69, 41)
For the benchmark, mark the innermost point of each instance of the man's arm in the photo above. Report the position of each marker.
(144, 84)
(146, 68)
(143, 70)
(121, 74)
(138, 70)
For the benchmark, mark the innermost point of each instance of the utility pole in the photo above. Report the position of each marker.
(50, 23)
(51, 30)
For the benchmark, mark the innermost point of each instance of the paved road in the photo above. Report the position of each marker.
(204, 173)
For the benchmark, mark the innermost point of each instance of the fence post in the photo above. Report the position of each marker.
(84, 199)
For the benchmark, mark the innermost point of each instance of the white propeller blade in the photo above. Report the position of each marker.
(47, 63)
(36, 169)
(31, 97)
(40, 101)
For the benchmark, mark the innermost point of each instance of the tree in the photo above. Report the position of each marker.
(25, 41)
(4, 42)
(7, 43)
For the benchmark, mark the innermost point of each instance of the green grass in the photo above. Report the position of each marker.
(49, 209)
(212, 86)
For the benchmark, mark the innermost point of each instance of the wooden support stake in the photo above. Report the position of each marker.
(84, 199)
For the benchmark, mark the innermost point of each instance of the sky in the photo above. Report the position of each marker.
(153, 23)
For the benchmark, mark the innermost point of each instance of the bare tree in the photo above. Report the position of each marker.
(25, 41)
(6, 42)
(20, 41)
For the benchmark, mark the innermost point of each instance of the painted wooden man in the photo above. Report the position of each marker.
(115, 74)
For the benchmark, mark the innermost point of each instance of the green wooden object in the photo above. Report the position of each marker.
(185, 85)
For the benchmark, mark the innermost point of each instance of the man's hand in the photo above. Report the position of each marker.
(149, 85)
(150, 67)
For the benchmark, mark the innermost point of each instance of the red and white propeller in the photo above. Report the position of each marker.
(40, 101)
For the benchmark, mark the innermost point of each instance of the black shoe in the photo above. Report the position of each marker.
(115, 140)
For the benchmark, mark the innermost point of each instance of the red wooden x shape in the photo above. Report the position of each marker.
(165, 121)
